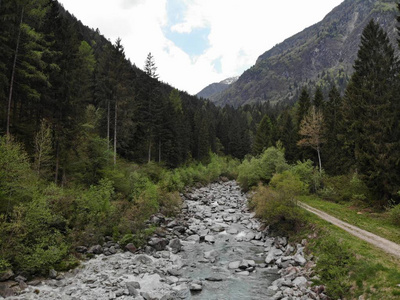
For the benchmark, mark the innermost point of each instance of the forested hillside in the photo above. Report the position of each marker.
(91, 145)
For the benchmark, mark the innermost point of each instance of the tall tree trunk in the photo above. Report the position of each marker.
(149, 154)
(319, 160)
(159, 151)
(115, 132)
(13, 75)
(108, 125)
(57, 163)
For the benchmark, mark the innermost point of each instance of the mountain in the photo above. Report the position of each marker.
(215, 88)
(319, 55)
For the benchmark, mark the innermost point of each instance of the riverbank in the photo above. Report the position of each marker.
(215, 249)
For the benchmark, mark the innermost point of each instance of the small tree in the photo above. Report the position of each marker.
(43, 148)
(150, 66)
(311, 128)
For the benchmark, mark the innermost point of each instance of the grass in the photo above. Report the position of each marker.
(370, 271)
(367, 219)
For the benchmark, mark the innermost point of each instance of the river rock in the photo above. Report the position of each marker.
(97, 249)
(5, 275)
(158, 244)
(132, 288)
(234, 265)
(131, 248)
(175, 245)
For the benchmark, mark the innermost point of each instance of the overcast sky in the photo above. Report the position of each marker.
(198, 42)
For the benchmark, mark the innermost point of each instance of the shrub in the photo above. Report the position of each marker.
(170, 203)
(308, 174)
(254, 170)
(289, 185)
(277, 210)
(345, 188)
(394, 214)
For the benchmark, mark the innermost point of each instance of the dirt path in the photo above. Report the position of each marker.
(377, 241)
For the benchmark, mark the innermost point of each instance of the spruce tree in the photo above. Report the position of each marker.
(318, 98)
(369, 113)
(304, 104)
(263, 136)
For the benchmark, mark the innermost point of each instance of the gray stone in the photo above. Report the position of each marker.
(131, 286)
(81, 249)
(158, 244)
(20, 278)
(5, 275)
(131, 248)
(195, 287)
(209, 239)
(53, 274)
(298, 258)
(234, 265)
(300, 282)
(211, 254)
(175, 245)
(97, 249)
(143, 259)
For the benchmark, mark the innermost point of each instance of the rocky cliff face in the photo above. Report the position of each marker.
(319, 55)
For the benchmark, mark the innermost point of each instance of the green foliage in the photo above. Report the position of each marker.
(289, 184)
(344, 188)
(17, 182)
(254, 170)
(394, 214)
(334, 261)
(278, 208)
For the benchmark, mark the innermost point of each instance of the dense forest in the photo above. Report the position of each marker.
(92, 144)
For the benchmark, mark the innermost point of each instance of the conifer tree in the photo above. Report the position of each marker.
(318, 98)
(263, 136)
(369, 113)
(304, 104)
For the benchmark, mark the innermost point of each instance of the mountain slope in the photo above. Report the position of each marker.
(319, 55)
(214, 89)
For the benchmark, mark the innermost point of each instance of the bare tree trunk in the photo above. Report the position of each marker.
(13, 75)
(149, 155)
(159, 151)
(319, 160)
(115, 132)
(108, 125)
(57, 163)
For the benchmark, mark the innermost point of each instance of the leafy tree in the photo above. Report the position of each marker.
(311, 128)
(43, 149)
(369, 110)
(263, 136)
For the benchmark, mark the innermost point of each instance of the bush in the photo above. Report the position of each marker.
(345, 188)
(277, 210)
(308, 174)
(289, 185)
(394, 214)
(170, 203)
(254, 170)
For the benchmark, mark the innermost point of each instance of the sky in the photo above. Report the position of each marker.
(197, 42)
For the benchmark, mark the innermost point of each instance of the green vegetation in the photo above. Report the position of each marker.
(346, 265)
(41, 223)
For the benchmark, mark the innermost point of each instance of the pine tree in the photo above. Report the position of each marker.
(318, 98)
(263, 138)
(304, 104)
(369, 113)
(335, 161)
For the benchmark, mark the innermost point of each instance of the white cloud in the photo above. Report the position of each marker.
(240, 31)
